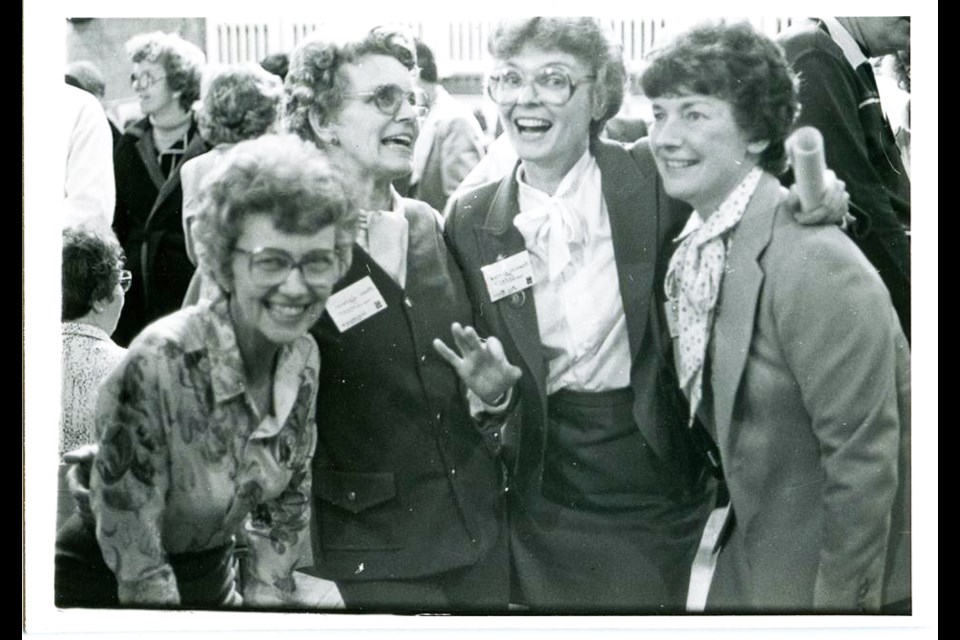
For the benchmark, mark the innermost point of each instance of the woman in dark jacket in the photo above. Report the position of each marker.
(147, 160)
(406, 496)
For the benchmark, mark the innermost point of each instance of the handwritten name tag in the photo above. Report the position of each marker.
(352, 305)
(508, 276)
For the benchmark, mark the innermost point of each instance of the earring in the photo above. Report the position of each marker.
(332, 141)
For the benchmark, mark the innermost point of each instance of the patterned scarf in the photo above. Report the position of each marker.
(693, 285)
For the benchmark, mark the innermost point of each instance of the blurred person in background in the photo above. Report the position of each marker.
(89, 189)
(840, 97)
(450, 142)
(93, 286)
(85, 75)
(148, 221)
(238, 102)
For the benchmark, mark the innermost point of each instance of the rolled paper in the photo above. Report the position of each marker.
(805, 148)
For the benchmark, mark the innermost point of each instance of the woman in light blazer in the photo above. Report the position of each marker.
(786, 344)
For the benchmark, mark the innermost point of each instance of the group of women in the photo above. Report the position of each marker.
(489, 412)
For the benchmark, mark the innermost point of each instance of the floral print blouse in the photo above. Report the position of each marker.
(185, 458)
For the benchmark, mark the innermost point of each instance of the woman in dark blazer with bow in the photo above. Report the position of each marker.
(166, 77)
(607, 495)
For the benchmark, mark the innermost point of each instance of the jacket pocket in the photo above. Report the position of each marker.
(356, 510)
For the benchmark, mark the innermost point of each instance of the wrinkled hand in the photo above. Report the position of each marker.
(481, 364)
(833, 208)
(78, 476)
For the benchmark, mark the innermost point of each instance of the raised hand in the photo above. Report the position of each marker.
(833, 207)
(481, 364)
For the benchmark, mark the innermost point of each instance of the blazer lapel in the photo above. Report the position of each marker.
(630, 194)
(739, 294)
(195, 147)
(148, 152)
(497, 238)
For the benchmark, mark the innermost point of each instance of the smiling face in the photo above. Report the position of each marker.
(700, 150)
(551, 138)
(157, 97)
(280, 313)
(380, 145)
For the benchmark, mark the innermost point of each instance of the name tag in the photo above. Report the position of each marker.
(354, 304)
(671, 309)
(508, 276)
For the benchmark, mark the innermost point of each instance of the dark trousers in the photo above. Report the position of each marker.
(592, 527)
(205, 579)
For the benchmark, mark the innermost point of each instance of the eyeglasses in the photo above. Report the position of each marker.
(126, 279)
(144, 80)
(271, 267)
(388, 98)
(552, 86)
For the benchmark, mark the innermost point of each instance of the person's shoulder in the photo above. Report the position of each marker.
(421, 213)
(475, 201)
(181, 331)
(815, 252)
(807, 37)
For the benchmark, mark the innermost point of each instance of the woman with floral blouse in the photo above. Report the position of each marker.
(208, 423)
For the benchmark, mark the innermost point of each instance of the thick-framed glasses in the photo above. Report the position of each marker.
(388, 98)
(144, 80)
(551, 85)
(126, 279)
(271, 267)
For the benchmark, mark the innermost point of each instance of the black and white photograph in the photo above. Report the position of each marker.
(491, 320)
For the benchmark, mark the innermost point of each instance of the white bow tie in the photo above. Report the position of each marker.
(548, 232)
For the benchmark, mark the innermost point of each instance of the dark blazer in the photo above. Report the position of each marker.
(404, 486)
(809, 374)
(643, 223)
(843, 103)
(148, 223)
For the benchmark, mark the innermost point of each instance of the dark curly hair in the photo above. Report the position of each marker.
(240, 101)
(314, 82)
(584, 38)
(90, 271)
(182, 62)
(737, 64)
(280, 176)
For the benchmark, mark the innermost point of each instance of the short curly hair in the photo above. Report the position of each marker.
(90, 271)
(240, 101)
(182, 61)
(584, 38)
(283, 177)
(314, 81)
(737, 64)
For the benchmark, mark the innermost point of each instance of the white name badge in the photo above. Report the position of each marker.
(508, 276)
(354, 304)
(672, 310)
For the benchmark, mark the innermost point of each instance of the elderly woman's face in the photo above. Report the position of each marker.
(149, 80)
(378, 141)
(281, 281)
(700, 150)
(544, 129)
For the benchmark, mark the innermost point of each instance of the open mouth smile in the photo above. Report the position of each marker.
(532, 126)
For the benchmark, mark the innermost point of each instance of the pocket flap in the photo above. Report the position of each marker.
(354, 491)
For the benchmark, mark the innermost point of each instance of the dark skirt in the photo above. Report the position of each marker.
(205, 579)
(598, 534)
